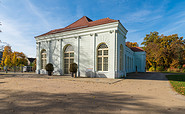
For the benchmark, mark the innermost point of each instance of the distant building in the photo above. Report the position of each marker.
(98, 47)
(30, 60)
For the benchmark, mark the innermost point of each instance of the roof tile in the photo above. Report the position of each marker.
(136, 49)
(83, 22)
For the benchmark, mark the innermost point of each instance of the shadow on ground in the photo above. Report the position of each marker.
(100, 102)
(150, 76)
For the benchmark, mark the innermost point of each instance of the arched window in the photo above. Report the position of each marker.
(121, 57)
(43, 59)
(68, 58)
(102, 58)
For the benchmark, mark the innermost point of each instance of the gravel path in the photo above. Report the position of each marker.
(139, 93)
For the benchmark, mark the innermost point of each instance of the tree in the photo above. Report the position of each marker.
(13, 58)
(7, 52)
(164, 51)
(131, 44)
(7, 61)
(14, 61)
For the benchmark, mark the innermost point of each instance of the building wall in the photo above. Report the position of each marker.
(85, 46)
(129, 60)
(121, 41)
(140, 61)
(85, 43)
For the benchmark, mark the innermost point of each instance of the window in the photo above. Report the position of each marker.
(43, 59)
(68, 58)
(102, 57)
(121, 57)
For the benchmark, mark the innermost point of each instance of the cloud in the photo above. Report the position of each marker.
(13, 34)
(35, 10)
(176, 24)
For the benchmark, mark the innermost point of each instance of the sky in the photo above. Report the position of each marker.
(22, 20)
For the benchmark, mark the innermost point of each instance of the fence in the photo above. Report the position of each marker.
(17, 69)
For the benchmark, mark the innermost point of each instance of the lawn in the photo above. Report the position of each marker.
(178, 82)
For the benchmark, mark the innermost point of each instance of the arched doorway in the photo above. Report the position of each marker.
(68, 58)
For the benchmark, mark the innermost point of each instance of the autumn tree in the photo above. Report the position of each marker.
(7, 61)
(13, 59)
(6, 55)
(132, 44)
(164, 51)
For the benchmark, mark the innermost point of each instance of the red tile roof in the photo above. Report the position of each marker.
(136, 49)
(83, 22)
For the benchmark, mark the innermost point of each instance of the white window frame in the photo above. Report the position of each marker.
(43, 59)
(102, 56)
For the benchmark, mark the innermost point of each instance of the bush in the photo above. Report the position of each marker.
(73, 67)
(160, 68)
(151, 69)
(183, 66)
(49, 67)
(168, 70)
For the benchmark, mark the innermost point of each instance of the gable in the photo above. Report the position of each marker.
(83, 22)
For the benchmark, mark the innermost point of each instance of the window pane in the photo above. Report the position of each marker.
(99, 52)
(66, 54)
(71, 60)
(71, 54)
(105, 64)
(43, 59)
(105, 52)
(65, 70)
(66, 61)
(69, 48)
(99, 64)
(102, 46)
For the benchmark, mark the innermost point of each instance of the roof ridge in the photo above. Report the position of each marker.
(83, 22)
(105, 18)
(138, 49)
(84, 18)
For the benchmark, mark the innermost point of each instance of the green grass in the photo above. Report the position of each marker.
(177, 82)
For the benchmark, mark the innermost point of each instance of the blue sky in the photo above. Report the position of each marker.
(23, 19)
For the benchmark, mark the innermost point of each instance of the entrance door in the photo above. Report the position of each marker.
(68, 58)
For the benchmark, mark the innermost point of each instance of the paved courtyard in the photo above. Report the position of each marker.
(139, 93)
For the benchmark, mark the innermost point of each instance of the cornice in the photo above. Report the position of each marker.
(81, 32)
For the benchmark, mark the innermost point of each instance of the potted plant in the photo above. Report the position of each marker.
(73, 69)
(49, 68)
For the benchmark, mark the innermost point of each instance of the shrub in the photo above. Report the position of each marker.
(183, 66)
(179, 67)
(168, 70)
(160, 68)
(73, 67)
(49, 67)
(151, 69)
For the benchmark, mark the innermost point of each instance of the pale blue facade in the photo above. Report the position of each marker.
(135, 61)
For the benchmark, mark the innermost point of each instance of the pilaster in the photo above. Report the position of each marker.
(94, 51)
(116, 55)
(61, 56)
(48, 51)
(78, 55)
(38, 58)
